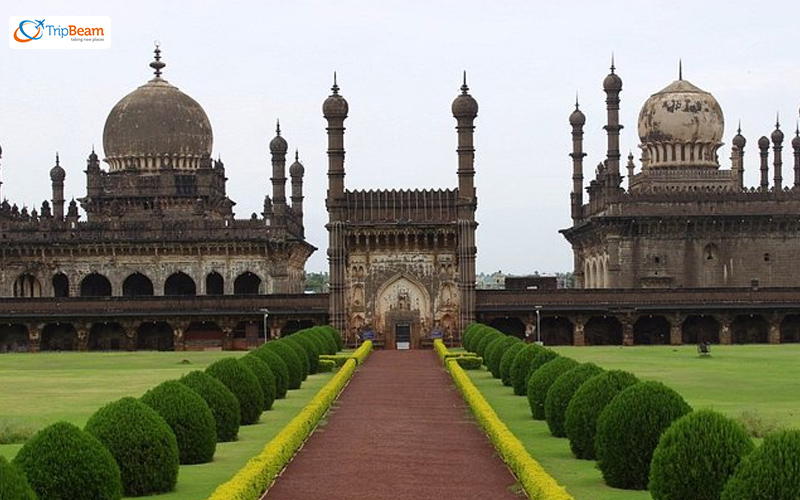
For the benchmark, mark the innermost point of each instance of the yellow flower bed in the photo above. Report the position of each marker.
(257, 475)
(536, 482)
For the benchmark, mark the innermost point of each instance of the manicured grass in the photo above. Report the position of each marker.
(761, 379)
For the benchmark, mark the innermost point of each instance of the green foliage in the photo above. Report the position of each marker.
(484, 342)
(591, 398)
(628, 431)
(469, 335)
(142, 444)
(561, 392)
(469, 362)
(757, 426)
(293, 364)
(541, 380)
(338, 359)
(223, 404)
(278, 367)
(309, 348)
(328, 336)
(519, 368)
(243, 383)
(541, 358)
(507, 360)
(13, 485)
(320, 344)
(189, 417)
(63, 462)
(696, 456)
(265, 378)
(299, 352)
(16, 432)
(496, 351)
(771, 472)
(326, 365)
(335, 335)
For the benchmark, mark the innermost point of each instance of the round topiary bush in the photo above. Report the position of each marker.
(507, 360)
(496, 354)
(310, 348)
(335, 335)
(561, 392)
(628, 431)
(13, 485)
(494, 343)
(468, 336)
(189, 417)
(243, 383)
(770, 472)
(265, 378)
(540, 359)
(142, 444)
(485, 341)
(301, 354)
(63, 462)
(541, 380)
(223, 404)
(591, 398)
(279, 369)
(289, 357)
(519, 368)
(324, 335)
(696, 456)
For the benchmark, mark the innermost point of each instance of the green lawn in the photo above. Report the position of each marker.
(761, 379)
(39, 389)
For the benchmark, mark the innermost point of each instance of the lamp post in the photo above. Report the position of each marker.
(538, 325)
(266, 330)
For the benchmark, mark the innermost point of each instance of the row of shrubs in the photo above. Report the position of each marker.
(134, 447)
(536, 482)
(642, 433)
(257, 475)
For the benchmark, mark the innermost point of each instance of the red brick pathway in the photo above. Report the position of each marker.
(400, 431)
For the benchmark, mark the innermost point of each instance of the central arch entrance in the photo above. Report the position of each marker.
(403, 312)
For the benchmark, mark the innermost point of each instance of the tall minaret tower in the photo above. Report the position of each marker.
(465, 109)
(577, 120)
(296, 172)
(612, 86)
(335, 109)
(278, 148)
(57, 176)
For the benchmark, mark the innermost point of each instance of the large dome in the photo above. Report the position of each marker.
(681, 125)
(156, 126)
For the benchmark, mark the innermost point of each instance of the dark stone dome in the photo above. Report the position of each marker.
(612, 82)
(57, 174)
(278, 145)
(335, 106)
(156, 126)
(777, 135)
(464, 106)
(577, 118)
(297, 169)
(763, 142)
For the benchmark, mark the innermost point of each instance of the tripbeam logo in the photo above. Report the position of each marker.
(63, 32)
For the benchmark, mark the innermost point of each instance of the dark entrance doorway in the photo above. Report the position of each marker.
(402, 335)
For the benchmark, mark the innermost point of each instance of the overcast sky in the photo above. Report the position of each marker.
(399, 65)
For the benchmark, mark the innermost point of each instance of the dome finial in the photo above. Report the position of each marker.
(157, 64)
(777, 120)
(278, 127)
(296, 154)
(739, 128)
(57, 162)
(612, 63)
(577, 105)
(335, 88)
(680, 69)
(464, 87)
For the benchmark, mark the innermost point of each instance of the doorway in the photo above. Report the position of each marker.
(402, 336)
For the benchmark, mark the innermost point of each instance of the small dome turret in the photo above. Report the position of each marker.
(577, 118)
(335, 106)
(57, 174)
(278, 145)
(763, 142)
(777, 134)
(796, 139)
(612, 82)
(738, 140)
(297, 169)
(465, 106)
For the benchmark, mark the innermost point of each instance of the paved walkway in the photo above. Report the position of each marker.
(399, 431)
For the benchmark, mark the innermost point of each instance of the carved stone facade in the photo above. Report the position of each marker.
(683, 221)
(402, 263)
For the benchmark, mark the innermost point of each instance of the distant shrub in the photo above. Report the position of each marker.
(279, 369)
(770, 472)
(223, 404)
(485, 341)
(265, 377)
(541, 358)
(561, 392)
(696, 456)
(142, 444)
(541, 380)
(292, 361)
(628, 431)
(335, 335)
(320, 344)
(469, 362)
(496, 351)
(310, 348)
(13, 485)
(583, 410)
(469, 335)
(189, 417)
(300, 352)
(243, 383)
(324, 334)
(507, 360)
(519, 368)
(63, 462)
(338, 359)
(326, 365)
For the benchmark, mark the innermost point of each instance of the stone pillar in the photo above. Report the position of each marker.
(34, 336)
(724, 329)
(178, 343)
(577, 331)
(82, 331)
(130, 329)
(675, 329)
(227, 338)
(627, 329)
(774, 332)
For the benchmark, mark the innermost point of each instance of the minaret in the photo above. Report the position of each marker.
(335, 109)
(777, 148)
(612, 86)
(296, 172)
(278, 148)
(57, 176)
(577, 120)
(796, 148)
(739, 142)
(763, 146)
(465, 109)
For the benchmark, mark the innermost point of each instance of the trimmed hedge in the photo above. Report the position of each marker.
(771, 472)
(335, 335)
(141, 442)
(580, 419)
(63, 462)
(189, 417)
(326, 365)
(496, 354)
(469, 362)
(507, 360)
(309, 348)
(331, 347)
(223, 404)
(469, 334)
(338, 359)
(519, 368)
(13, 485)
(299, 351)
(628, 431)
(243, 383)
(696, 456)
(260, 471)
(540, 359)
(484, 342)
(290, 359)
(278, 367)
(561, 392)
(265, 378)
(541, 380)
